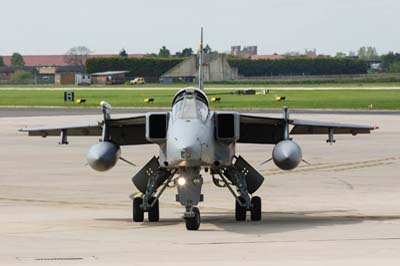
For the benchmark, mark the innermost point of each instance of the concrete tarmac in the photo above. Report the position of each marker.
(343, 209)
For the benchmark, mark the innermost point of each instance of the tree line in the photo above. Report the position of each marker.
(299, 66)
(295, 64)
(148, 67)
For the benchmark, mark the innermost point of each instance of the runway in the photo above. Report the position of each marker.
(343, 209)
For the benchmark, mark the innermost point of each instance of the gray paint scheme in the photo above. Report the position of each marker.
(196, 138)
(191, 145)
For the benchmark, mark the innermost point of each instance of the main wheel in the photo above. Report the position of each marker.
(240, 212)
(154, 212)
(138, 213)
(193, 223)
(256, 210)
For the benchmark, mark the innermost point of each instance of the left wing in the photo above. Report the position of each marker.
(316, 127)
(261, 129)
(270, 130)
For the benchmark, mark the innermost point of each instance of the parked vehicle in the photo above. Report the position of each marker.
(138, 80)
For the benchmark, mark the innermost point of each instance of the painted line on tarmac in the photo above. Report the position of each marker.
(335, 167)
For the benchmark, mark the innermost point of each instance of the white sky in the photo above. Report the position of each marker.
(53, 26)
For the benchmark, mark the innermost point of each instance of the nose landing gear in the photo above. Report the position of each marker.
(192, 219)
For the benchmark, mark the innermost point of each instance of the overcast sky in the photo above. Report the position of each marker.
(53, 26)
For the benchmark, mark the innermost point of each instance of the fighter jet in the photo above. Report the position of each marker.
(196, 141)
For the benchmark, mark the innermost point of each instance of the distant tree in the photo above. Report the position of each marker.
(394, 67)
(151, 55)
(185, 52)
(123, 53)
(368, 53)
(310, 52)
(77, 55)
(293, 53)
(340, 55)
(164, 52)
(389, 59)
(208, 50)
(21, 76)
(17, 60)
(1, 61)
(352, 54)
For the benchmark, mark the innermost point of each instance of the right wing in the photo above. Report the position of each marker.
(128, 131)
(74, 129)
(123, 131)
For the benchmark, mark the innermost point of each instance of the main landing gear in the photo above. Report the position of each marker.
(153, 210)
(241, 209)
(148, 201)
(243, 200)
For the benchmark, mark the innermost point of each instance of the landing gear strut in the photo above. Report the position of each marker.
(189, 186)
(148, 202)
(243, 200)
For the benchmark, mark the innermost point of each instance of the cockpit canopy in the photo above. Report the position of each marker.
(193, 92)
(190, 103)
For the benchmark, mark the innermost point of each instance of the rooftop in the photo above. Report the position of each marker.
(56, 60)
(107, 73)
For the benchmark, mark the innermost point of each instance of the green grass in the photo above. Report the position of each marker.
(234, 85)
(319, 99)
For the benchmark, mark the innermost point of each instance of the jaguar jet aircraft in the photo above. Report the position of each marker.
(195, 140)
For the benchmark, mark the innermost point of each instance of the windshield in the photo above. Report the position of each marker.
(189, 107)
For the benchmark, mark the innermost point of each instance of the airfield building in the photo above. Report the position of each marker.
(109, 77)
(216, 68)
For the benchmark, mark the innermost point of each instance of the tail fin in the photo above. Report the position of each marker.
(201, 63)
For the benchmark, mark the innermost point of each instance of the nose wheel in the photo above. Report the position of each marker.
(193, 221)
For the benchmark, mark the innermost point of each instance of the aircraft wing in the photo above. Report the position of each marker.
(123, 131)
(75, 129)
(269, 130)
(261, 129)
(316, 127)
(128, 131)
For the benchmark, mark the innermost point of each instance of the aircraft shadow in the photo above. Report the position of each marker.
(272, 222)
(276, 222)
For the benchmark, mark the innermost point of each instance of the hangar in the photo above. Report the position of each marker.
(216, 68)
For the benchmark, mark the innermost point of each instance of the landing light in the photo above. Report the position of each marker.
(181, 181)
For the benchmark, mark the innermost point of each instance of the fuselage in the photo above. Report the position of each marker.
(191, 138)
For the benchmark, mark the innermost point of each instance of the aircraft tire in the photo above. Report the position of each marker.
(256, 210)
(240, 212)
(138, 213)
(154, 212)
(193, 224)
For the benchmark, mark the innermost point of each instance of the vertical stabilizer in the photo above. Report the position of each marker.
(201, 63)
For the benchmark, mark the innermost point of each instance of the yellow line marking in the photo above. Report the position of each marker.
(335, 166)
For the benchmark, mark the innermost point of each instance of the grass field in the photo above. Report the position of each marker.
(236, 85)
(318, 99)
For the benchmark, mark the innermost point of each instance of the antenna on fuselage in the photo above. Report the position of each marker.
(201, 63)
